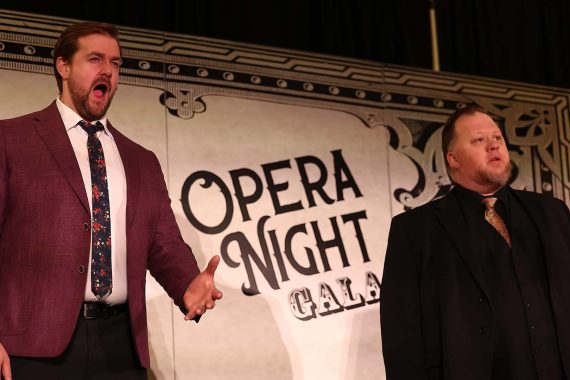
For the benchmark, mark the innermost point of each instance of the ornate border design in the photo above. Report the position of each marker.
(410, 103)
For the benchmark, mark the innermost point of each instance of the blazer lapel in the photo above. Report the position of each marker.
(453, 222)
(131, 167)
(552, 243)
(52, 131)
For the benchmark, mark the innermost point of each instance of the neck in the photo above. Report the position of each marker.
(484, 190)
(66, 99)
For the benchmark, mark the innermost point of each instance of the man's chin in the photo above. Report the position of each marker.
(96, 111)
(499, 177)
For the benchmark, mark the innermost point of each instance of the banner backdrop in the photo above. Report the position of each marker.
(289, 166)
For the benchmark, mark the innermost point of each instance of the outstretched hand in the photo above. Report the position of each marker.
(5, 371)
(202, 293)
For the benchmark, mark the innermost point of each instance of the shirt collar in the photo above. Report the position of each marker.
(71, 118)
(503, 195)
(476, 199)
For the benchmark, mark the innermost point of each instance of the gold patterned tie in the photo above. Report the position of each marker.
(495, 219)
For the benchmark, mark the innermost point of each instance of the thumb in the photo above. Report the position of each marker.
(212, 265)
(6, 371)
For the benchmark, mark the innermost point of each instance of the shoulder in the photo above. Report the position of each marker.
(538, 198)
(47, 114)
(425, 212)
(21, 120)
(135, 155)
(544, 204)
(127, 143)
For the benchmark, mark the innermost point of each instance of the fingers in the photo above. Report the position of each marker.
(200, 310)
(193, 314)
(212, 265)
(202, 294)
(6, 371)
(189, 316)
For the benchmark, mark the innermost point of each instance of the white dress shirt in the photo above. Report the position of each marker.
(117, 186)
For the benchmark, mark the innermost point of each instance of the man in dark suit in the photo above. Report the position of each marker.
(84, 212)
(476, 284)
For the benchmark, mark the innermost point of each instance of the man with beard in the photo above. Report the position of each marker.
(84, 212)
(475, 284)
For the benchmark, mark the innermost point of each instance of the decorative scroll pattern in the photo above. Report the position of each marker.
(182, 103)
(420, 140)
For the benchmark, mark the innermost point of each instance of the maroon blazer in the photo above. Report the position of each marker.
(45, 236)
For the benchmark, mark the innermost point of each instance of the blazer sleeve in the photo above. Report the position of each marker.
(3, 178)
(170, 259)
(400, 310)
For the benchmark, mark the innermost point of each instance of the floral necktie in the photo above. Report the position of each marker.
(101, 272)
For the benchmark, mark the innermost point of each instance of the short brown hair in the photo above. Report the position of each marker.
(449, 128)
(66, 44)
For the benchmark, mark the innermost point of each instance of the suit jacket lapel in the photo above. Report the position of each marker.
(132, 176)
(451, 218)
(551, 242)
(52, 131)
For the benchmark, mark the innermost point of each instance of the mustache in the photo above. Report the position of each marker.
(102, 79)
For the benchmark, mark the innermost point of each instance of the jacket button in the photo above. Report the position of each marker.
(85, 226)
(482, 330)
(81, 269)
(481, 299)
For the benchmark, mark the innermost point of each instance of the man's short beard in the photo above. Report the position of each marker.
(81, 103)
(501, 178)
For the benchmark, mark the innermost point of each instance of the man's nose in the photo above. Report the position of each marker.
(106, 67)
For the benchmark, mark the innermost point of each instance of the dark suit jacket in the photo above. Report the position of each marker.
(45, 236)
(435, 313)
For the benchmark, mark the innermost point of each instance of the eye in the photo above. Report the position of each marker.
(116, 64)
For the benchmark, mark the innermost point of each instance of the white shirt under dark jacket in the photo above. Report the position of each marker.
(117, 198)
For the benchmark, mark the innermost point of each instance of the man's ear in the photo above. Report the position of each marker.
(62, 67)
(452, 160)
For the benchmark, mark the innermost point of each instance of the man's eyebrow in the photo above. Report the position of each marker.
(99, 54)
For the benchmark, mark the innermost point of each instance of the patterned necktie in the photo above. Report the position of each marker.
(495, 219)
(101, 273)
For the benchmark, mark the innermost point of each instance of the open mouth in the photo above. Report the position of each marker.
(100, 90)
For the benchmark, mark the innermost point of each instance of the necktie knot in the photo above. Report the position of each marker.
(490, 202)
(91, 129)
